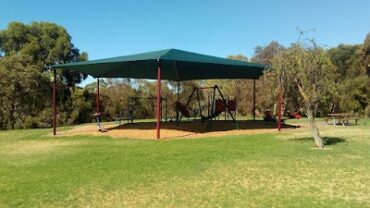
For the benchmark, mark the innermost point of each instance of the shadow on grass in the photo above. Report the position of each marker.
(202, 127)
(327, 140)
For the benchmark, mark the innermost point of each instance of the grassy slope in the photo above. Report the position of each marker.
(255, 170)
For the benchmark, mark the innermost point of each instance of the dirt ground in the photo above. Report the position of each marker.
(169, 130)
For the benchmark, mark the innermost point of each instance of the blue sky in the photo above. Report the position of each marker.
(107, 28)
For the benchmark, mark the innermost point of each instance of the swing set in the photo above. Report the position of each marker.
(215, 106)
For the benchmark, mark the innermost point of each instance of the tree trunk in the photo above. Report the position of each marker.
(314, 130)
(11, 117)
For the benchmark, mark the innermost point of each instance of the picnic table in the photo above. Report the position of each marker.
(341, 118)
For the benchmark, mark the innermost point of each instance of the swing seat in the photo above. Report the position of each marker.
(231, 105)
(269, 117)
(100, 125)
(182, 108)
(213, 115)
(97, 114)
(220, 106)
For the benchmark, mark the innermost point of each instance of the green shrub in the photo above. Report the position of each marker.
(31, 122)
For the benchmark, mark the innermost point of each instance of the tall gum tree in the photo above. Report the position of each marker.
(25, 51)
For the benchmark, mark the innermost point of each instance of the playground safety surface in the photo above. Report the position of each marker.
(169, 130)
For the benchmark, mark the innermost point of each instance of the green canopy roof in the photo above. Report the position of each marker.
(176, 65)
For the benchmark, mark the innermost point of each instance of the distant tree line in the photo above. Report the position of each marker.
(341, 74)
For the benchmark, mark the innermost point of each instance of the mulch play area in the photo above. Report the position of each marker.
(193, 129)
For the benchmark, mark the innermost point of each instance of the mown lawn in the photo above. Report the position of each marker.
(270, 170)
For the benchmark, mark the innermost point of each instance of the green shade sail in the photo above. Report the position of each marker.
(176, 65)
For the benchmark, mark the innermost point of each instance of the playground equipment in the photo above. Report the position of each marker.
(269, 117)
(169, 64)
(295, 115)
(99, 123)
(214, 106)
(97, 115)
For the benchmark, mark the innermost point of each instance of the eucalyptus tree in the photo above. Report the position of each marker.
(311, 71)
(25, 52)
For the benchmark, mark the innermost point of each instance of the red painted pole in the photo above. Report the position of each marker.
(178, 99)
(54, 102)
(279, 109)
(159, 101)
(97, 96)
(254, 99)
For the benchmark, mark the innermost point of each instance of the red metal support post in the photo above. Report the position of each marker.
(97, 96)
(54, 102)
(254, 99)
(159, 100)
(178, 99)
(280, 101)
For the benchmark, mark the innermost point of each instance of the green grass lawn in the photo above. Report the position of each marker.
(270, 170)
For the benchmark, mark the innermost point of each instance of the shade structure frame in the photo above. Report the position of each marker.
(158, 110)
(176, 65)
(169, 64)
(54, 103)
